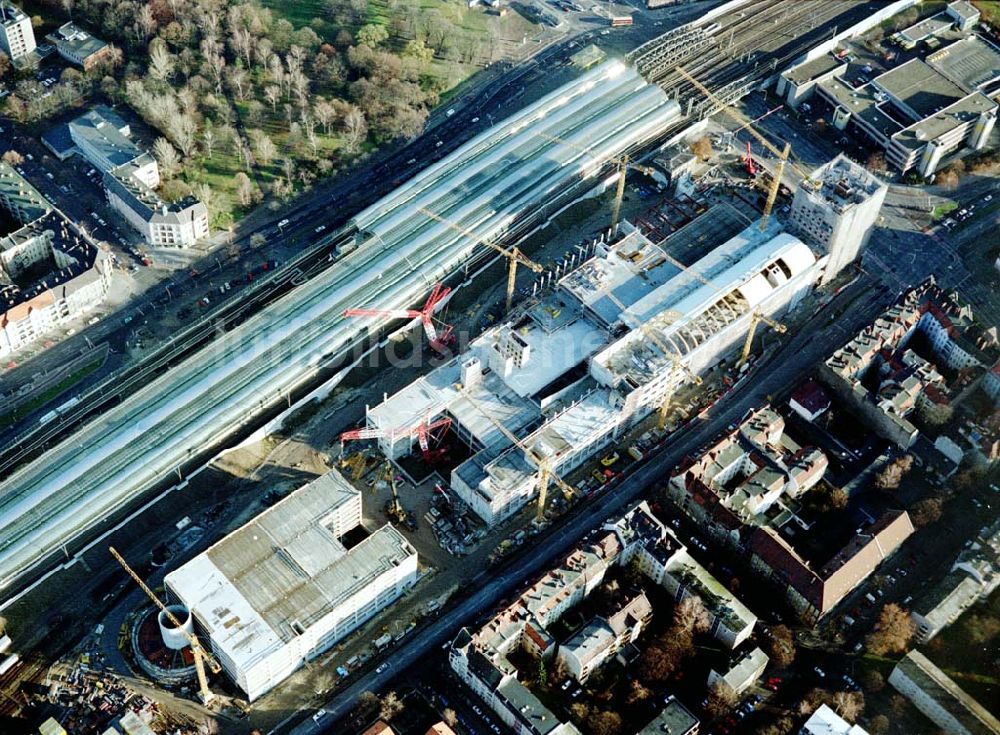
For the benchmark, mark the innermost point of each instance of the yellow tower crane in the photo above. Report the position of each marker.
(623, 165)
(755, 319)
(514, 255)
(783, 154)
(201, 656)
(544, 464)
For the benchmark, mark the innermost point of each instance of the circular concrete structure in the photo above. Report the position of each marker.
(175, 638)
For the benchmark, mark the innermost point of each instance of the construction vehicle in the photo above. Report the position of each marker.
(394, 509)
(546, 474)
(514, 255)
(200, 655)
(438, 341)
(783, 154)
(755, 319)
(357, 463)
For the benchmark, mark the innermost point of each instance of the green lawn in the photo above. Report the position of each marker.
(942, 209)
(990, 10)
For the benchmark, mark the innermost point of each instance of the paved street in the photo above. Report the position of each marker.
(775, 374)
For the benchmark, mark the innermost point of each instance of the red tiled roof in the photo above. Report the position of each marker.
(811, 397)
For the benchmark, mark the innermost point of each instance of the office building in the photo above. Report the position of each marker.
(836, 209)
(78, 47)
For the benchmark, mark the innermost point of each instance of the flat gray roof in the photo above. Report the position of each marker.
(919, 87)
(927, 27)
(960, 113)
(970, 62)
(286, 565)
(105, 135)
(861, 101)
(813, 69)
(674, 719)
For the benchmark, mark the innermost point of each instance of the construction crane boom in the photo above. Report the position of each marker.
(781, 153)
(623, 165)
(755, 319)
(544, 464)
(514, 255)
(201, 656)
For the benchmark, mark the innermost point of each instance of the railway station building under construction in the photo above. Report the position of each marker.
(500, 184)
(599, 347)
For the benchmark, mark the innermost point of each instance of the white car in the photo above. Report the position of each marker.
(283, 223)
(320, 714)
(320, 228)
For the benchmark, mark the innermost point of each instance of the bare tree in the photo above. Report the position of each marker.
(167, 158)
(263, 146)
(604, 723)
(246, 192)
(325, 114)
(272, 93)
(355, 129)
(13, 157)
(391, 706)
(721, 699)
(182, 130)
(449, 717)
(781, 646)
(893, 631)
(702, 148)
(926, 511)
(208, 139)
(849, 705)
(161, 61)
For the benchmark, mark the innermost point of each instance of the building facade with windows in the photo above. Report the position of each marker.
(50, 271)
(17, 37)
(283, 589)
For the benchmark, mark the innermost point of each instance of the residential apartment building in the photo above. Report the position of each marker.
(130, 178)
(17, 37)
(974, 576)
(283, 589)
(742, 674)
(814, 591)
(481, 658)
(940, 699)
(51, 272)
(824, 721)
(600, 640)
(908, 383)
(836, 209)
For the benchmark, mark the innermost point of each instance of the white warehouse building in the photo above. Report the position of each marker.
(283, 588)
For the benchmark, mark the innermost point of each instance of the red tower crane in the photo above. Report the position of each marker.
(438, 341)
(424, 430)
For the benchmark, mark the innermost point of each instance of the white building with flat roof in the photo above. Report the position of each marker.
(283, 588)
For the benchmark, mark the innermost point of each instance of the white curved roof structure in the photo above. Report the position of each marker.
(501, 177)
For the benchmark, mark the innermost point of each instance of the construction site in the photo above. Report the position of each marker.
(623, 330)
